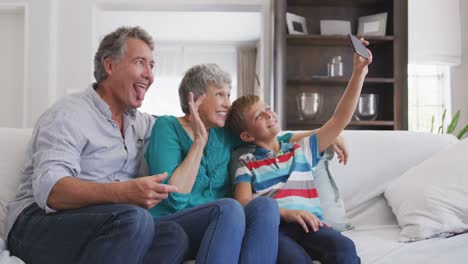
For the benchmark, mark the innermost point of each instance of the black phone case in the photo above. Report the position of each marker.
(358, 46)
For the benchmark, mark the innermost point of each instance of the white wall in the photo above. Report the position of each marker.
(11, 68)
(60, 43)
(38, 59)
(459, 74)
(174, 58)
(59, 47)
(75, 45)
(38, 41)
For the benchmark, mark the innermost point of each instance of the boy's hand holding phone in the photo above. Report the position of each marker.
(362, 56)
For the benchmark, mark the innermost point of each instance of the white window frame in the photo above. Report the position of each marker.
(419, 76)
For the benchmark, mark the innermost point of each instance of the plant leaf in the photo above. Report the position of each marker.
(462, 132)
(440, 131)
(453, 123)
(432, 124)
(443, 120)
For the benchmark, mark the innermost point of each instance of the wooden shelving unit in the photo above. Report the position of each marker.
(335, 80)
(331, 40)
(355, 124)
(301, 61)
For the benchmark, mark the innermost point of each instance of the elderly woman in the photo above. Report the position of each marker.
(194, 150)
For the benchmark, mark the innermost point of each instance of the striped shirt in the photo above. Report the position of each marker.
(287, 176)
(77, 137)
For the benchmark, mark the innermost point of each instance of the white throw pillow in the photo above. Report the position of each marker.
(431, 199)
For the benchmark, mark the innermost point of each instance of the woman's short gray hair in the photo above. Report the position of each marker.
(113, 46)
(198, 78)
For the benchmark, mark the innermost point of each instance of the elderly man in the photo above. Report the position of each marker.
(80, 200)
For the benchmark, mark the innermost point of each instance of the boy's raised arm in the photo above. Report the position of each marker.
(345, 108)
(300, 135)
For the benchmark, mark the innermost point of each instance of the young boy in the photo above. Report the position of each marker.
(282, 171)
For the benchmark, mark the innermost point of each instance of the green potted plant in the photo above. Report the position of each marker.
(452, 125)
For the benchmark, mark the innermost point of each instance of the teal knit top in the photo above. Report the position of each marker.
(169, 145)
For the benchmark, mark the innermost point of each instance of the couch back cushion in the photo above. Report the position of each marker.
(377, 158)
(13, 144)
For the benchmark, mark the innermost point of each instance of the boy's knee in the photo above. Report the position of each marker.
(345, 251)
(346, 245)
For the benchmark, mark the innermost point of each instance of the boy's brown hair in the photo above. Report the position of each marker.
(235, 119)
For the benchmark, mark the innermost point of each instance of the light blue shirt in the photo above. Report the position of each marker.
(77, 137)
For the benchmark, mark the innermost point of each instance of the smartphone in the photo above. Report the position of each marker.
(358, 47)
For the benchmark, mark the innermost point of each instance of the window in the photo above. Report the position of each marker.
(428, 96)
(171, 61)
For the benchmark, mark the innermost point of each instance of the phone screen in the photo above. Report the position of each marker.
(358, 46)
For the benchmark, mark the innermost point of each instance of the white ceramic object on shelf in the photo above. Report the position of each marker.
(335, 27)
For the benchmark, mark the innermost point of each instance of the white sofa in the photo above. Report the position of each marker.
(376, 159)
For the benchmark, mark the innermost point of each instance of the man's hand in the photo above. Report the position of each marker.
(303, 218)
(340, 148)
(145, 191)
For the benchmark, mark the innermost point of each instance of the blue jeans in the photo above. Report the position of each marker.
(117, 233)
(224, 232)
(326, 245)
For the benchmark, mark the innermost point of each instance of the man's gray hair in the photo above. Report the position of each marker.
(198, 78)
(113, 46)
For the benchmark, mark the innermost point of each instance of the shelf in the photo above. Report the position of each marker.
(352, 123)
(339, 40)
(303, 61)
(371, 123)
(335, 80)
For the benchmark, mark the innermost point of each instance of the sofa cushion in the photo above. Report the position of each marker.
(431, 199)
(6, 257)
(376, 159)
(379, 245)
(332, 204)
(13, 144)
